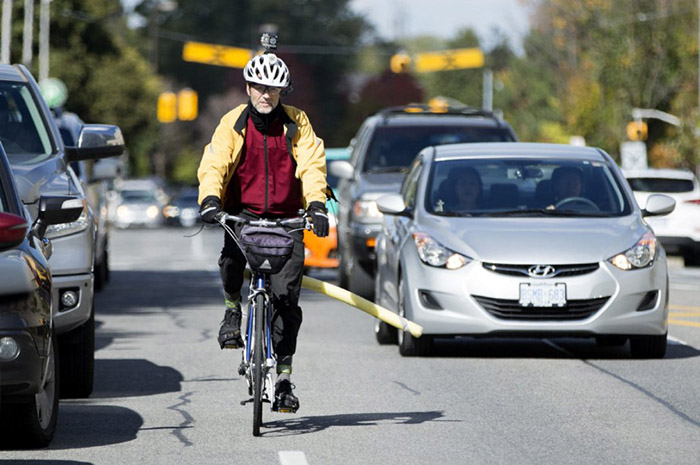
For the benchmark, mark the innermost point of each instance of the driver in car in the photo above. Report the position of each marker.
(567, 182)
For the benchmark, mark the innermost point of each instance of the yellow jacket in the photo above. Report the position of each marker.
(222, 154)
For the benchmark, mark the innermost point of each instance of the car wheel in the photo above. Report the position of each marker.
(77, 349)
(410, 346)
(648, 346)
(691, 258)
(385, 334)
(343, 270)
(610, 341)
(360, 282)
(34, 418)
(101, 273)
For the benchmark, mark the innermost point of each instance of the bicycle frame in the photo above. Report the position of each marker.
(259, 284)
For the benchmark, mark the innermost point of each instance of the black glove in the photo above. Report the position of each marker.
(319, 218)
(211, 206)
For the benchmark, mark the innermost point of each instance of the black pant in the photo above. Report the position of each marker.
(286, 286)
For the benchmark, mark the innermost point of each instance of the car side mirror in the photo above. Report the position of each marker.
(658, 205)
(392, 204)
(57, 210)
(97, 141)
(13, 230)
(341, 169)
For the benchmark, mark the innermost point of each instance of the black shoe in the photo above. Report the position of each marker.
(230, 330)
(285, 400)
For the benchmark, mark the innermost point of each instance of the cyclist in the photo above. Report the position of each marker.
(265, 161)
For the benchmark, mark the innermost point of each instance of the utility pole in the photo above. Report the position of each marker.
(6, 31)
(44, 22)
(487, 97)
(28, 32)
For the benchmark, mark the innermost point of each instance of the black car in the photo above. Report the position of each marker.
(28, 341)
(382, 151)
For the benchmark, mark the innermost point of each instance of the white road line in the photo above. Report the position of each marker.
(292, 457)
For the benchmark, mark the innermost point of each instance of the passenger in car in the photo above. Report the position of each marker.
(461, 191)
(567, 182)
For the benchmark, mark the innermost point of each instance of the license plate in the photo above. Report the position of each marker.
(542, 294)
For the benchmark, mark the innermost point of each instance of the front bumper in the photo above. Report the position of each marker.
(21, 376)
(451, 302)
(66, 319)
(363, 239)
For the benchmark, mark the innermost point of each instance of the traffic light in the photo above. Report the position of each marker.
(400, 63)
(637, 130)
(167, 107)
(187, 105)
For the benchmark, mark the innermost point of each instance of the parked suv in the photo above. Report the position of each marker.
(39, 160)
(382, 151)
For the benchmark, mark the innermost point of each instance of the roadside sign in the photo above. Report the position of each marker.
(459, 58)
(220, 55)
(633, 155)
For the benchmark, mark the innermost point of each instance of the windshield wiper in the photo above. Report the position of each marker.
(543, 212)
(388, 169)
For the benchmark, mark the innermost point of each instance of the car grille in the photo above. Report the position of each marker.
(511, 309)
(560, 271)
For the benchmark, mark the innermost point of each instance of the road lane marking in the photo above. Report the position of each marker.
(684, 307)
(694, 324)
(292, 457)
(684, 314)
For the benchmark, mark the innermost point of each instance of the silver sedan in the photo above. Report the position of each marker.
(522, 239)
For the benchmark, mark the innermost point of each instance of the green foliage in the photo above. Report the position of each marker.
(107, 80)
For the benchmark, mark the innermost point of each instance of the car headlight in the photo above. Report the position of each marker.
(641, 255)
(152, 211)
(366, 211)
(66, 229)
(432, 253)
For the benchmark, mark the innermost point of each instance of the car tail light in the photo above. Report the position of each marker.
(694, 201)
(13, 230)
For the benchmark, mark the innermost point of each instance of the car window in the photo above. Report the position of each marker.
(410, 184)
(666, 185)
(138, 196)
(3, 199)
(22, 130)
(505, 187)
(395, 147)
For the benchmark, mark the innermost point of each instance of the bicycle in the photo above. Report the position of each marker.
(258, 359)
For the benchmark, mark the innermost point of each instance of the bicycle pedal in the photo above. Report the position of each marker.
(241, 369)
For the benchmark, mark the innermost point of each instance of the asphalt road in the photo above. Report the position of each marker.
(165, 393)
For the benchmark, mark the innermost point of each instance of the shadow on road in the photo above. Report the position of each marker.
(585, 348)
(43, 462)
(140, 291)
(87, 425)
(304, 425)
(133, 378)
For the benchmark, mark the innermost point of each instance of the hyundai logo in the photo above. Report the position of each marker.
(541, 271)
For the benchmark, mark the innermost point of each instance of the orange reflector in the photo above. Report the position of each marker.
(371, 242)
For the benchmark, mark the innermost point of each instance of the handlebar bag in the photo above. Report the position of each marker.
(266, 249)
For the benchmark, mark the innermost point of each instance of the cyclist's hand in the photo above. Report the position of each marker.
(211, 206)
(319, 218)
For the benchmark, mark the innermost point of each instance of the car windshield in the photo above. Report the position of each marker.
(393, 148)
(22, 131)
(666, 185)
(525, 187)
(138, 196)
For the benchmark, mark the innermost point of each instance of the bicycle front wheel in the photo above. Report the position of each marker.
(258, 363)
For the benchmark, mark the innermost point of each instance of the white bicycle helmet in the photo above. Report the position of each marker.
(267, 69)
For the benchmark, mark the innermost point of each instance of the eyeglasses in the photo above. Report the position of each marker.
(261, 89)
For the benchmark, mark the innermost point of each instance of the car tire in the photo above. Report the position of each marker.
(343, 270)
(691, 258)
(101, 273)
(410, 346)
(610, 340)
(77, 350)
(33, 419)
(361, 282)
(385, 334)
(648, 346)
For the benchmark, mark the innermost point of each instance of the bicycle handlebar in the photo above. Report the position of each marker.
(301, 221)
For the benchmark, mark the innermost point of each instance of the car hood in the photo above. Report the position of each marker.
(380, 182)
(49, 177)
(539, 240)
